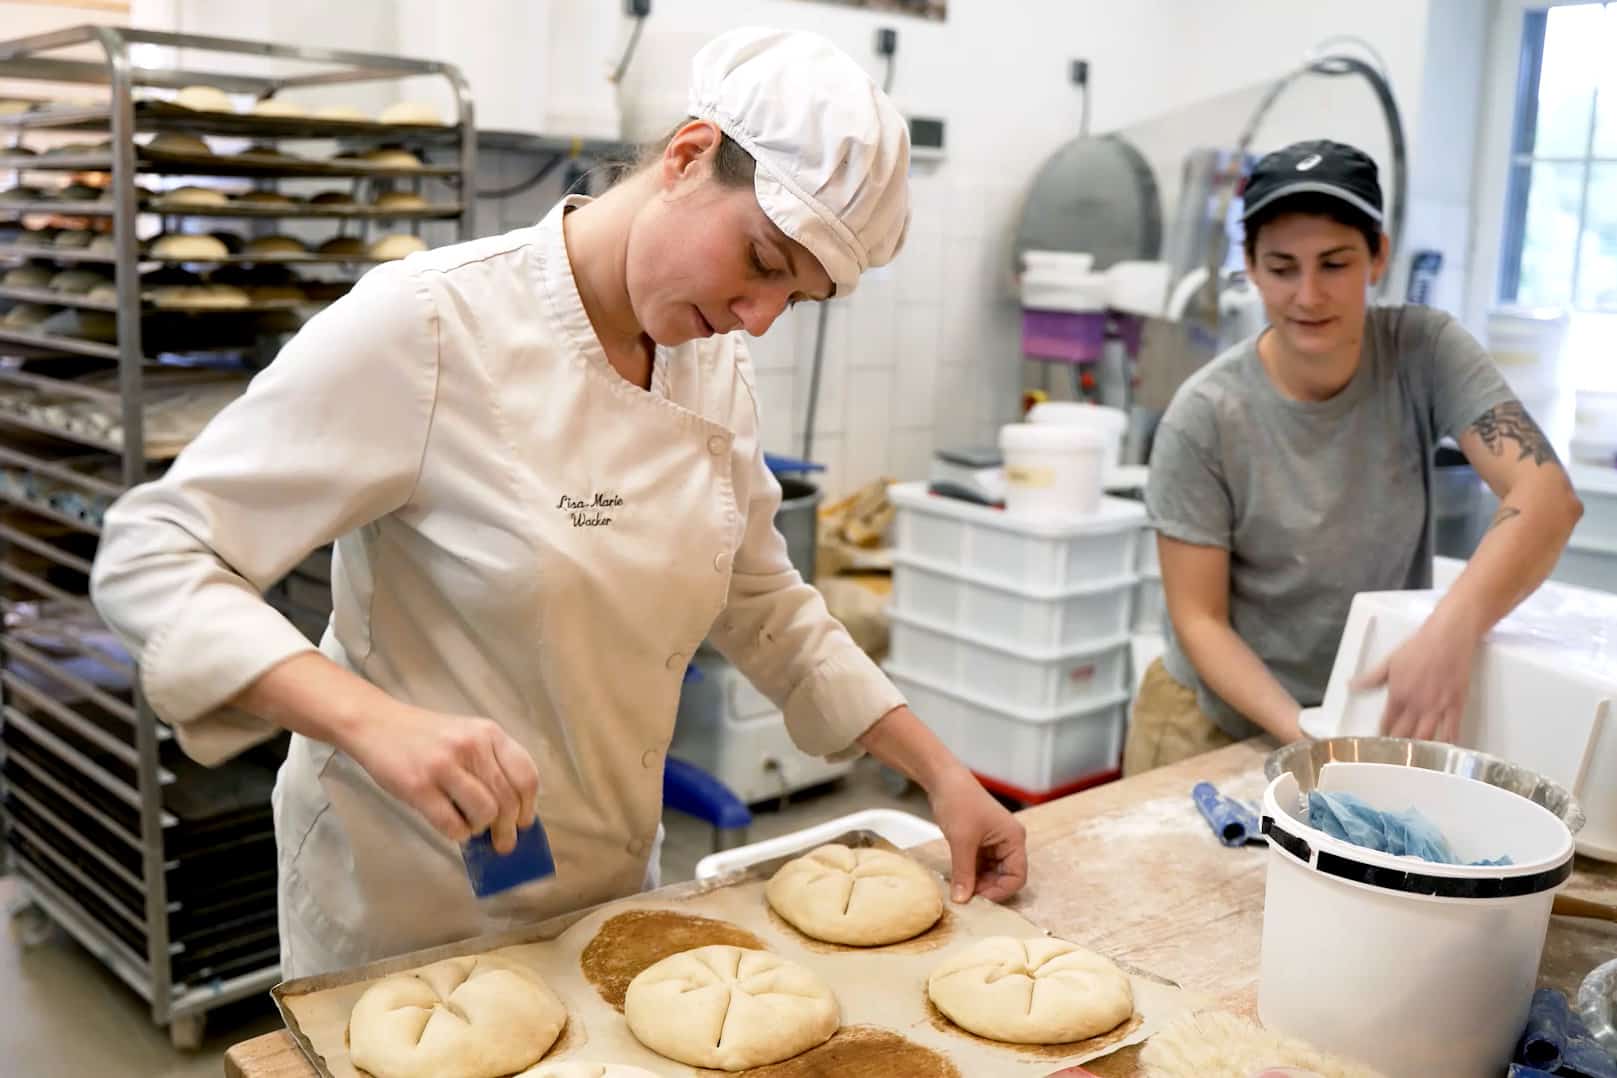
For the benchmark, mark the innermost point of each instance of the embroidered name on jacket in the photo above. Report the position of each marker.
(590, 512)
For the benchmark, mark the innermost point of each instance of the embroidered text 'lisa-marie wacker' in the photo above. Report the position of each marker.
(590, 512)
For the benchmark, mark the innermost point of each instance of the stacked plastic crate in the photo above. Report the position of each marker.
(1010, 636)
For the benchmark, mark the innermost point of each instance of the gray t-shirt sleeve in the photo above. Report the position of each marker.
(1185, 493)
(1463, 380)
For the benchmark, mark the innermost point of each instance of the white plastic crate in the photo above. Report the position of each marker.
(1014, 618)
(1587, 566)
(1033, 751)
(1597, 487)
(1024, 552)
(1036, 681)
(1150, 608)
(1145, 561)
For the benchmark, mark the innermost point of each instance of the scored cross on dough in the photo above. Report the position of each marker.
(472, 1017)
(1034, 991)
(729, 1008)
(862, 898)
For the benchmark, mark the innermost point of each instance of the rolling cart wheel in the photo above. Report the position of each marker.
(186, 1033)
(31, 925)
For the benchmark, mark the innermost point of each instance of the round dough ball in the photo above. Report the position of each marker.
(400, 200)
(77, 282)
(274, 106)
(195, 196)
(265, 198)
(332, 198)
(174, 142)
(27, 276)
(863, 898)
(391, 158)
(205, 99)
(209, 296)
(729, 1008)
(1033, 991)
(72, 238)
(104, 293)
(580, 1069)
(189, 248)
(411, 112)
(341, 112)
(473, 1017)
(275, 247)
(343, 247)
(22, 193)
(396, 246)
(25, 315)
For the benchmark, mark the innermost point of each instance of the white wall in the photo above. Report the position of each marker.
(1443, 177)
(927, 353)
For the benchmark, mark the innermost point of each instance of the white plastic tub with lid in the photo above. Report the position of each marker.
(1416, 968)
(1112, 423)
(1053, 470)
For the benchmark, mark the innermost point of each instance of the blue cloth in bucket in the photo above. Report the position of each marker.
(1557, 1042)
(1402, 834)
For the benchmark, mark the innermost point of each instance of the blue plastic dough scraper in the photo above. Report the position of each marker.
(492, 873)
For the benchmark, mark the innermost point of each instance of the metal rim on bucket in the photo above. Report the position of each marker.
(1303, 759)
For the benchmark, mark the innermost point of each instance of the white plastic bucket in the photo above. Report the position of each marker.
(1052, 470)
(1417, 969)
(1111, 423)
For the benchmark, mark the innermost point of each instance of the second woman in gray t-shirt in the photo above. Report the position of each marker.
(1295, 471)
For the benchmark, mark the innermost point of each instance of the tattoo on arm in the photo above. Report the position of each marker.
(1509, 422)
(1509, 512)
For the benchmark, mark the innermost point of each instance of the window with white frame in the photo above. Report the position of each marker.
(1560, 243)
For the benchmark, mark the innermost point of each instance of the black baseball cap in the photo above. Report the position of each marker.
(1318, 167)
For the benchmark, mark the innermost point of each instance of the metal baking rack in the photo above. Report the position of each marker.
(162, 869)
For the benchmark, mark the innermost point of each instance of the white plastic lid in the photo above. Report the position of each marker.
(1051, 436)
(1078, 413)
(1061, 261)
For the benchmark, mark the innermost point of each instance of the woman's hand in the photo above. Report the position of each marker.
(987, 845)
(1427, 679)
(464, 774)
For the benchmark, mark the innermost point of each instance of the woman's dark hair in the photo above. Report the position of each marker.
(1314, 205)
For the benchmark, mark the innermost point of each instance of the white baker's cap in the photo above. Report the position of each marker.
(832, 151)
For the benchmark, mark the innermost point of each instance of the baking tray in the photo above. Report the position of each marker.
(881, 991)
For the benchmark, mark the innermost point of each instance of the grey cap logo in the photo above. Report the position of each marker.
(1309, 162)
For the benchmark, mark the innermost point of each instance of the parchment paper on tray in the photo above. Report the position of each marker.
(889, 1026)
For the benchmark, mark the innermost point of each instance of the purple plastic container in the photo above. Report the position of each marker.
(1063, 336)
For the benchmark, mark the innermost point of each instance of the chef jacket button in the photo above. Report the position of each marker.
(715, 445)
(636, 847)
(721, 561)
(649, 760)
(675, 661)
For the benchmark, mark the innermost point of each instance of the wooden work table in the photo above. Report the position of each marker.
(1131, 869)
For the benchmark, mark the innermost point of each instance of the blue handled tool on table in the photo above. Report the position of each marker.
(1557, 1042)
(1232, 821)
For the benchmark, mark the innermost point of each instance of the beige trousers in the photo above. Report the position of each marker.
(1167, 725)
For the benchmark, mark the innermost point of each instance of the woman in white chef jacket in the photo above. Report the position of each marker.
(538, 455)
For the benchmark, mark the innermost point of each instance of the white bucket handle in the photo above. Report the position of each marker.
(1603, 718)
